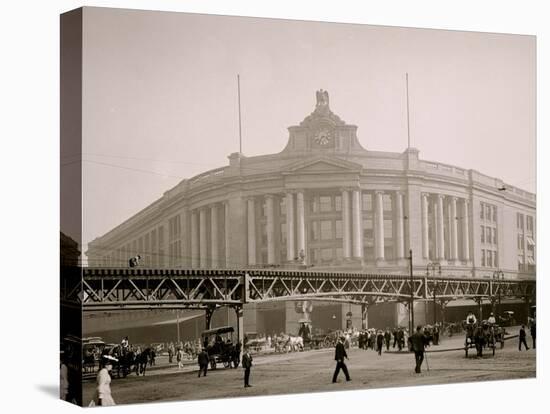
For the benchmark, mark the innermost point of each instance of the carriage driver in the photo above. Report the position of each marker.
(471, 318)
(491, 320)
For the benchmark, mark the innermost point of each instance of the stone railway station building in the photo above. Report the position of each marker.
(325, 202)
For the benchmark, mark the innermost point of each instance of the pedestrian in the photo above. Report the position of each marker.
(170, 353)
(534, 333)
(418, 343)
(339, 355)
(400, 339)
(379, 341)
(247, 364)
(394, 337)
(64, 378)
(103, 395)
(203, 360)
(387, 338)
(179, 358)
(522, 336)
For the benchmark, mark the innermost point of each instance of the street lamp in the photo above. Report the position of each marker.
(433, 267)
(498, 275)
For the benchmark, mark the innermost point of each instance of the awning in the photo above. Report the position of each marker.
(530, 261)
(530, 241)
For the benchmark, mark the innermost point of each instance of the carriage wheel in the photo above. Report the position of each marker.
(227, 364)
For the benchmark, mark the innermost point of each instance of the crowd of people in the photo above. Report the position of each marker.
(373, 339)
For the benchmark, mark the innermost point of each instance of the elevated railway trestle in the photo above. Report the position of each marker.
(112, 289)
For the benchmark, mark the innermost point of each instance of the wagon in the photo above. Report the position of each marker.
(481, 336)
(219, 346)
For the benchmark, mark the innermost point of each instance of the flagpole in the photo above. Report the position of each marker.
(408, 126)
(239, 101)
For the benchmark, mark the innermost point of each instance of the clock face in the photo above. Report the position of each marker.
(323, 137)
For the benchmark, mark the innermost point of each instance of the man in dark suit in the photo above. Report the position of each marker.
(522, 338)
(203, 360)
(534, 333)
(418, 342)
(339, 356)
(247, 364)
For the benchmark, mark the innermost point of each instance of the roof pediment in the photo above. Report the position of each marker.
(323, 165)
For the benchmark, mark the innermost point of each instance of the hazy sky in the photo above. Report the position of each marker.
(160, 97)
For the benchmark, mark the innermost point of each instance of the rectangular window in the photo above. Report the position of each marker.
(488, 212)
(494, 235)
(367, 201)
(325, 203)
(495, 259)
(482, 212)
(314, 230)
(520, 241)
(520, 221)
(495, 214)
(338, 203)
(482, 234)
(529, 224)
(489, 258)
(387, 201)
(338, 225)
(482, 258)
(488, 235)
(368, 232)
(326, 230)
(388, 229)
(282, 206)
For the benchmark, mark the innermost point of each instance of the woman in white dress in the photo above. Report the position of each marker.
(103, 391)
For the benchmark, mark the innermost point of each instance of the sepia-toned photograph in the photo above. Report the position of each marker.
(254, 206)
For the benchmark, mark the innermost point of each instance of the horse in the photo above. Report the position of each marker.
(295, 343)
(126, 359)
(141, 361)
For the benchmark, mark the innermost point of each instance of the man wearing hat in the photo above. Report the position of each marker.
(379, 341)
(339, 356)
(247, 364)
(418, 342)
(103, 391)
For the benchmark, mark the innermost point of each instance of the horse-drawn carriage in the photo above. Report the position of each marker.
(220, 348)
(92, 349)
(481, 336)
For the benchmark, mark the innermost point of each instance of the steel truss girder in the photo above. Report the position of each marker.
(104, 289)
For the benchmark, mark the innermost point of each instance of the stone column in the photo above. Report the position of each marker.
(270, 228)
(301, 224)
(425, 228)
(440, 227)
(345, 225)
(289, 203)
(251, 211)
(379, 226)
(203, 239)
(226, 234)
(465, 232)
(214, 231)
(399, 230)
(357, 224)
(454, 230)
(195, 259)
